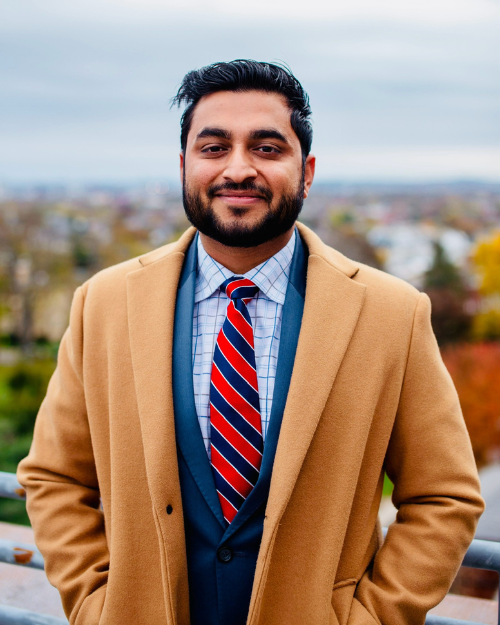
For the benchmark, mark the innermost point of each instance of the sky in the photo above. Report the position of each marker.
(401, 90)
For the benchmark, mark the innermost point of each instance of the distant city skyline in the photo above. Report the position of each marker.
(400, 92)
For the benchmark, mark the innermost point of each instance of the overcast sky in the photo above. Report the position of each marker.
(400, 90)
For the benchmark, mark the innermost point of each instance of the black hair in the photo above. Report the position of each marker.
(246, 75)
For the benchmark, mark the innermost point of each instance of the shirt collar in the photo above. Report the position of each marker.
(271, 276)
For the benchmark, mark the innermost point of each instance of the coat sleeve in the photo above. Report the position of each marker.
(436, 491)
(60, 479)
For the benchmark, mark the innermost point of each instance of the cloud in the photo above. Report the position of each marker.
(410, 163)
(443, 12)
(90, 82)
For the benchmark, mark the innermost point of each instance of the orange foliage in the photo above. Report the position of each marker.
(475, 369)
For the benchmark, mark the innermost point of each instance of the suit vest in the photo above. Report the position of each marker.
(221, 560)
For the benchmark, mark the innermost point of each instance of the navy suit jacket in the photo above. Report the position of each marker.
(221, 558)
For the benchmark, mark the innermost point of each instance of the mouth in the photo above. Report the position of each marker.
(240, 198)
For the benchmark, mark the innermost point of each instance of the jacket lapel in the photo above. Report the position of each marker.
(187, 427)
(332, 307)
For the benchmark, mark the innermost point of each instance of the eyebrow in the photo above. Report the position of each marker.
(256, 135)
(219, 133)
(268, 133)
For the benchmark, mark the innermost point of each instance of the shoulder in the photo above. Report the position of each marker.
(383, 291)
(385, 284)
(102, 303)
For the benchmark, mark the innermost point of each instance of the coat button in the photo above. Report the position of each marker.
(225, 554)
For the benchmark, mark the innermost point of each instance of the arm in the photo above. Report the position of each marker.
(436, 492)
(62, 490)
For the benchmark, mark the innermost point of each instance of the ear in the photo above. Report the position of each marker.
(309, 170)
(181, 164)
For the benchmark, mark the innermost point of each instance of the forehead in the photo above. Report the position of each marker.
(242, 112)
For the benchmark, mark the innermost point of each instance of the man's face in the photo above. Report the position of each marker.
(243, 176)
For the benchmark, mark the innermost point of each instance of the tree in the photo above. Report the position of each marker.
(486, 259)
(475, 369)
(29, 267)
(443, 274)
(445, 287)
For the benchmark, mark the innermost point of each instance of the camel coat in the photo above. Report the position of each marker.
(369, 392)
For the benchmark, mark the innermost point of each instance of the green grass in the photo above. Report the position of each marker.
(22, 389)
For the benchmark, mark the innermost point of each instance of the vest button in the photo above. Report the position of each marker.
(225, 554)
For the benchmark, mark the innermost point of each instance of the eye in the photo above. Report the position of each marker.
(268, 149)
(213, 149)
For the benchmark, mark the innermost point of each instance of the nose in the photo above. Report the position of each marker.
(239, 166)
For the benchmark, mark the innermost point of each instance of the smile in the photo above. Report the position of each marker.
(238, 199)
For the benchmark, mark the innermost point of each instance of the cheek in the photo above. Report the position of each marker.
(200, 174)
(282, 179)
(283, 174)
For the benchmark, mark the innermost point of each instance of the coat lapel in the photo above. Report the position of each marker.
(151, 298)
(332, 307)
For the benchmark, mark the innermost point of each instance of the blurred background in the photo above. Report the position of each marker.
(406, 113)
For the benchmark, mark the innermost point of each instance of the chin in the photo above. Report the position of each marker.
(248, 215)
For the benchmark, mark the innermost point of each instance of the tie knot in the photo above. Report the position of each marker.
(238, 287)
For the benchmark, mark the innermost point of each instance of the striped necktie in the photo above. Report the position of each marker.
(235, 424)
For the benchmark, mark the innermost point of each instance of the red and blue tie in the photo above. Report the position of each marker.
(235, 424)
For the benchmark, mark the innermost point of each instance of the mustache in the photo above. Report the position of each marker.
(243, 186)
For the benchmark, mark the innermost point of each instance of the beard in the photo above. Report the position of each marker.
(276, 221)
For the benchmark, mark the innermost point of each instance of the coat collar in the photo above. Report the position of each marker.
(314, 244)
(180, 246)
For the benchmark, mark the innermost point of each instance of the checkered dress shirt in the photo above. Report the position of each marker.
(265, 310)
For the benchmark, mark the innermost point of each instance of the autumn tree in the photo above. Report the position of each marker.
(486, 260)
(475, 369)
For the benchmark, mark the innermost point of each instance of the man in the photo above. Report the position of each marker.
(233, 400)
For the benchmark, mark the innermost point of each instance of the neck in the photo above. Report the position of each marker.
(239, 260)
